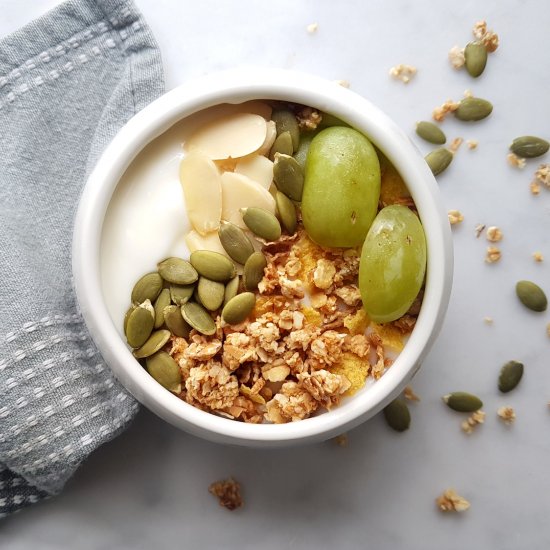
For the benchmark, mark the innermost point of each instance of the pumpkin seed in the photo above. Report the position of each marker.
(211, 293)
(164, 370)
(282, 145)
(529, 147)
(147, 288)
(177, 271)
(531, 295)
(430, 132)
(285, 121)
(510, 375)
(127, 315)
(473, 108)
(288, 176)
(154, 343)
(235, 242)
(286, 211)
(140, 324)
(231, 289)
(397, 415)
(161, 302)
(438, 160)
(180, 294)
(212, 265)
(262, 223)
(254, 270)
(305, 141)
(238, 308)
(475, 58)
(175, 322)
(198, 318)
(463, 402)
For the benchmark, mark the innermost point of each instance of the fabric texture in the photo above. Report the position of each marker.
(68, 82)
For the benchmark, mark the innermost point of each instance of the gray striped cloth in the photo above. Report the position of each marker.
(68, 82)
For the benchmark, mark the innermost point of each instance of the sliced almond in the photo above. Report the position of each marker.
(271, 136)
(238, 192)
(258, 168)
(210, 241)
(233, 136)
(200, 178)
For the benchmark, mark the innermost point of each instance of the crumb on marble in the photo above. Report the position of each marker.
(506, 414)
(493, 255)
(455, 216)
(468, 426)
(341, 440)
(472, 143)
(515, 161)
(312, 28)
(479, 228)
(538, 257)
(451, 501)
(403, 72)
(228, 492)
(493, 234)
(408, 393)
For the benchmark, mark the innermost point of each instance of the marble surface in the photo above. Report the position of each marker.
(148, 488)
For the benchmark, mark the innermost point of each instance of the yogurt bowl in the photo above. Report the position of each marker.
(121, 232)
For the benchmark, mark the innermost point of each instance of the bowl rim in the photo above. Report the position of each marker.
(236, 86)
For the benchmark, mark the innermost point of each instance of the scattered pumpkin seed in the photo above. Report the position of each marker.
(287, 212)
(164, 370)
(288, 176)
(238, 308)
(510, 375)
(235, 242)
(198, 318)
(438, 160)
(161, 302)
(262, 223)
(531, 295)
(140, 324)
(254, 270)
(473, 108)
(175, 323)
(462, 401)
(397, 415)
(177, 271)
(282, 144)
(180, 294)
(211, 293)
(475, 58)
(430, 132)
(231, 289)
(147, 288)
(154, 343)
(212, 265)
(529, 147)
(285, 121)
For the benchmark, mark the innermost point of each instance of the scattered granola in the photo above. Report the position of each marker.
(312, 28)
(542, 175)
(450, 501)
(479, 228)
(455, 216)
(228, 492)
(341, 440)
(538, 257)
(455, 144)
(343, 83)
(506, 414)
(493, 234)
(308, 118)
(456, 57)
(548, 329)
(409, 394)
(493, 254)
(488, 320)
(403, 72)
(535, 188)
(515, 161)
(439, 113)
(472, 143)
(478, 417)
(488, 38)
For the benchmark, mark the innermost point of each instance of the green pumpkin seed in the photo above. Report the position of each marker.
(140, 324)
(330, 120)
(463, 402)
(287, 212)
(213, 265)
(235, 242)
(261, 222)
(164, 370)
(473, 108)
(531, 295)
(288, 176)
(397, 415)
(430, 132)
(254, 270)
(285, 121)
(238, 308)
(147, 288)
(301, 153)
(438, 160)
(529, 147)
(231, 289)
(510, 375)
(198, 318)
(281, 145)
(126, 316)
(180, 294)
(211, 293)
(177, 271)
(475, 58)
(273, 190)
(161, 302)
(175, 322)
(154, 343)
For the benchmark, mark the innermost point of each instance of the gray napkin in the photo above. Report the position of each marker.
(68, 82)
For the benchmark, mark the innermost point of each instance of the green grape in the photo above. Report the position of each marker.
(341, 187)
(393, 263)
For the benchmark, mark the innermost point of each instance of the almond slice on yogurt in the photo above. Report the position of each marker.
(258, 168)
(270, 137)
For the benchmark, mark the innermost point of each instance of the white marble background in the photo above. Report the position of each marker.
(148, 489)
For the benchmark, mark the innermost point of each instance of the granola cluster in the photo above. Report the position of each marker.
(294, 356)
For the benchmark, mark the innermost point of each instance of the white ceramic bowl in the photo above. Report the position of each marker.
(236, 87)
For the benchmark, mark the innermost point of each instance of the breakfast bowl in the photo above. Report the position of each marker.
(131, 216)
